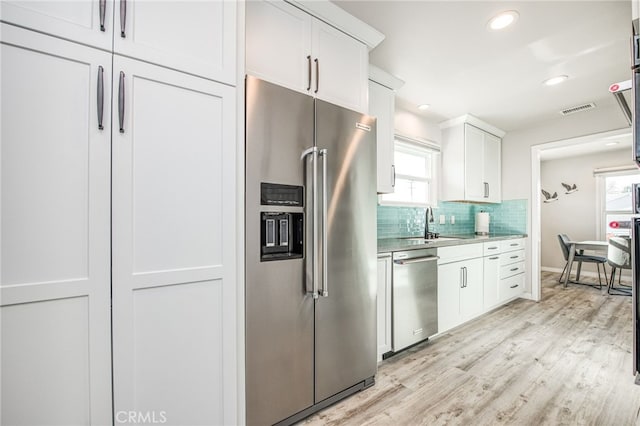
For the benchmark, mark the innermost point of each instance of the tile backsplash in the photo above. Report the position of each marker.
(510, 216)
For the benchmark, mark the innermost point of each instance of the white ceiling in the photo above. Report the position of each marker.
(449, 59)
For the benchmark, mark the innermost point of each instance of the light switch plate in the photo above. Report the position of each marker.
(443, 219)
(453, 220)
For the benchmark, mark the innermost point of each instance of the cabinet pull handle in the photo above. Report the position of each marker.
(317, 74)
(513, 244)
(121, 102)
(492, 248)
(514, 286)
(393, 176)
(494, 258)
(486, 190)
(465, 277)
(514, 257)
(309, 70)
(123, 18)
(100, 96)
(514, 269)
(462, 277)
(103, 12)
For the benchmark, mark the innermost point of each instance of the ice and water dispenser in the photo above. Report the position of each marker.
(282, 232)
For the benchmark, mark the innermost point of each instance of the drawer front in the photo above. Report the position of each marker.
(511, 287)
(510, 245)
(461, 252)
(492, 247)
(510, 270)
(511, 257)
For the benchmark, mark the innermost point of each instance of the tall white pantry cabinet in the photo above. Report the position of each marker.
(118, 147)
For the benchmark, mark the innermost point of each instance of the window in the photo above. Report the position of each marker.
(416, 170)
(615, 202)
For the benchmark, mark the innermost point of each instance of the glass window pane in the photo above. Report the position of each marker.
(409, 191)
(618, 189)
(410, 164)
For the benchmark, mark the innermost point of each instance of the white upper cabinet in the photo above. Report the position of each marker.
(340, 67)
(471, 161)
(382, 88)
(278, 44)
(196, 37)
(289, 47)
(87, 21)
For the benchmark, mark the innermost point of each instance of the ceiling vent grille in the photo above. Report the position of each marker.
(578, 108)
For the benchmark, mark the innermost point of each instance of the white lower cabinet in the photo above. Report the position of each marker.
(491, 280)
(55, 224)
(171, 276)
(475, 278)
(114, 197)
(384, 304)
(503, 271)
(460, 287)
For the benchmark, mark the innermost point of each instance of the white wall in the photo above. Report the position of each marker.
(516, 153)
(413, 125)
(573, 214)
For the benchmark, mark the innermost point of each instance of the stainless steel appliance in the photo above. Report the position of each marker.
(635, 80)
(310, 253)
(415, 297)
(635, 293)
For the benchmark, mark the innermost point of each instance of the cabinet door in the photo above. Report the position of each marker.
(472, 292)
(173, 245)
(55, 224)
(492, 168)
(450, 282)
(384, 306)
(82, 21)
(278, 44)
(341, 67)
(474, 164)
(197, 37)
(491, 281)
(382, 106)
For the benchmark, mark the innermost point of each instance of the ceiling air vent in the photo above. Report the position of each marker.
(578, 108)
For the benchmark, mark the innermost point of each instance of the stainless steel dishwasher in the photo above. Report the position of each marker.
(415, 296)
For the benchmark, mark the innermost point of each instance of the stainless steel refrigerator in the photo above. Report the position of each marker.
(310, 253)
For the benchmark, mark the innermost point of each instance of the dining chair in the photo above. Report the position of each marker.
(619, 258)
(580, 257)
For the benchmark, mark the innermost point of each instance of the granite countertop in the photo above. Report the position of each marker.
(387, 245)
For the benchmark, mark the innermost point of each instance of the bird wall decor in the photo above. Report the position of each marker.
(570, 188)
(548, 197)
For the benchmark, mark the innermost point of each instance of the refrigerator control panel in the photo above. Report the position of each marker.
(281, 236)
(273, 194)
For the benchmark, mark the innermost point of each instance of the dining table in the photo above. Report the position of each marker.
(582, 245)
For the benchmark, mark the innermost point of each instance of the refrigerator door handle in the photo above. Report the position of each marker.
(325, 281)
(313, 245)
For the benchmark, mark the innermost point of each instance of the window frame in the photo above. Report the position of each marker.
(601, 176)
(418, 146)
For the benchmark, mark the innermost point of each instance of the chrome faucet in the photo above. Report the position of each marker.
(428, 235)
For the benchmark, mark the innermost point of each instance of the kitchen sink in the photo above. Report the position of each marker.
(431, 239)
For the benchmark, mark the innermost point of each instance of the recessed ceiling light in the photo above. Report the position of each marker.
(611, 143)
(423, 107)
(503, 20)
(555, 80)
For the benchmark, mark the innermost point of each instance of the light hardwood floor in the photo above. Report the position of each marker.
(563, 361)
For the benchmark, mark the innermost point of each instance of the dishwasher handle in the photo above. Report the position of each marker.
(416, 260)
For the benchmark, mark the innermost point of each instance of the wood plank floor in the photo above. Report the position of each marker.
(563, 361)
